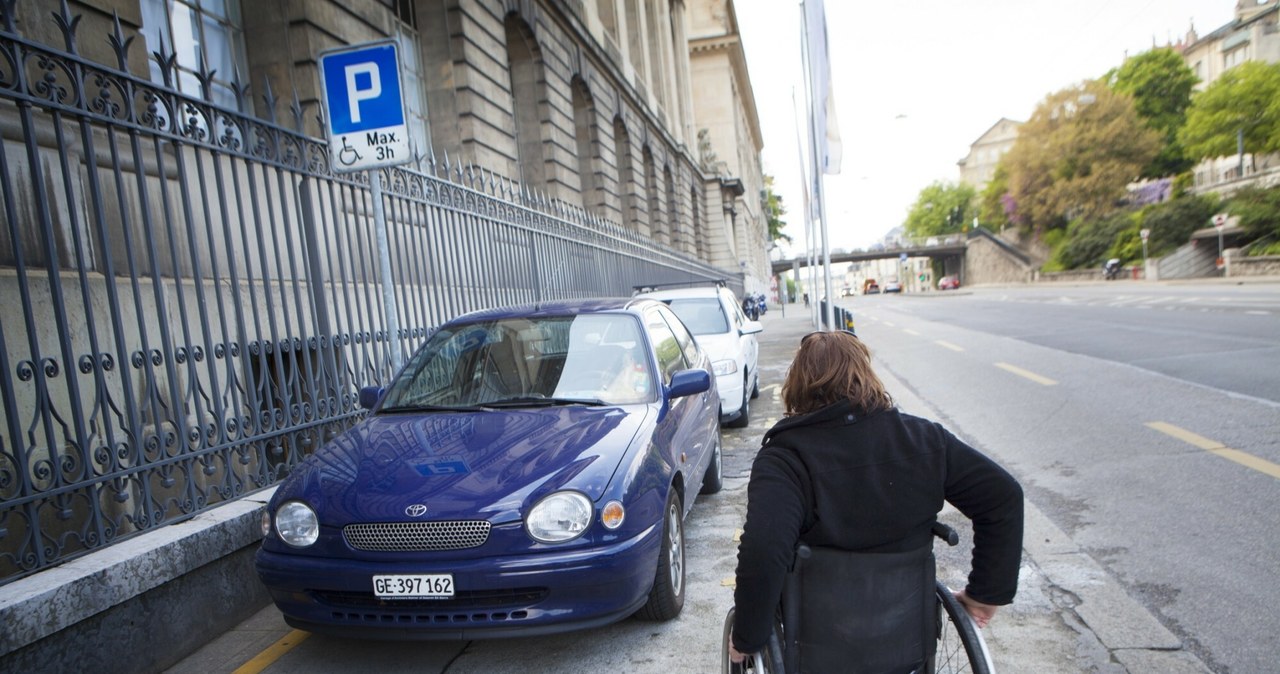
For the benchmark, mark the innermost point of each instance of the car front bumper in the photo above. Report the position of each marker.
(496, 596)
(730, 388)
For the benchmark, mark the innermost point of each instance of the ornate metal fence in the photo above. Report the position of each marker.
(190, 297)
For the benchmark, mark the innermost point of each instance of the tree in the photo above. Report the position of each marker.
(1160, 84)
(941, 208)
(1074, 158)
(774, 210)
(1172, 222)
(1244, 100)
(994, 206)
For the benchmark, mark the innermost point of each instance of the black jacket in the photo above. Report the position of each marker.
(874, 484)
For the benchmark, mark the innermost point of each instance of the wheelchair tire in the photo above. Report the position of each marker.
(961, 648)
(767, 661)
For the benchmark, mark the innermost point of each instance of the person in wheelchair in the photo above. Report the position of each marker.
(845, 470)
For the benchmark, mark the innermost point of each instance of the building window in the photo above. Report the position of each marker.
(196, 29)
(415, 99)
(1233, 58)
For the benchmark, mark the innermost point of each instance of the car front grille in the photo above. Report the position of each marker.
(416, 536)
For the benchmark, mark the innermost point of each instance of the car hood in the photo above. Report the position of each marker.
(720, 346)
(483, 464)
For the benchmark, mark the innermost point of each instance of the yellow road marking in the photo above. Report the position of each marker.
(1025, 373)
(1245, 459)
(272, 653)
(949, 345)
(731, 581)
(909, 331)
(737, 535)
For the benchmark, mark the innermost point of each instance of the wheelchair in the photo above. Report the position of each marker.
(850, 612)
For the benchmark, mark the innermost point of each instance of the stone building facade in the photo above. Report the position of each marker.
(979, 166)
(586, 102)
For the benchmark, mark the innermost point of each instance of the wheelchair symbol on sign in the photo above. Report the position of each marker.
(348, 155)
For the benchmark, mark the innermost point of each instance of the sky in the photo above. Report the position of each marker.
(916, 82)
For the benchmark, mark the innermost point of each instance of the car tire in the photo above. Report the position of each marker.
(667, 596)
(755, 388)
(713, 481)
(744, 415)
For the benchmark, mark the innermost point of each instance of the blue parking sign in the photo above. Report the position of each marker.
(367, 125)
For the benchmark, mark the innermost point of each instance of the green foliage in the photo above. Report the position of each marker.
(941, 208)
(1074, 157)
(1090, 242)
(1258, 210)
(1245, 99)
(1172, 222)
(1160, 84)
(774, 210)
(990, 205)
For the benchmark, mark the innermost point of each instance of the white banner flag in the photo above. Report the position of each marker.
(823, 110)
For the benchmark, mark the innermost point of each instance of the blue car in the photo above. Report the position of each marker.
(527, 472)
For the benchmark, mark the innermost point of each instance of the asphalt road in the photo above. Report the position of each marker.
(1143, 553)
(1144, 421)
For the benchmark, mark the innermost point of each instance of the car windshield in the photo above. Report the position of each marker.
(703, 316)
(528, 362)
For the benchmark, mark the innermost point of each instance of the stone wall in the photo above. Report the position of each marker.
(1260, 265)
(986, 263)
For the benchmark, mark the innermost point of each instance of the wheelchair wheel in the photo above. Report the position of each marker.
(960, 644)
(767, 661)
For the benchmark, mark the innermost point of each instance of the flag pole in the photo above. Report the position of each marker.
(819, 106)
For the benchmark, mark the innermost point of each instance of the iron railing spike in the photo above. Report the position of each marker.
(298, 111)
(119, 43)
(67, 24)
(166, 60)
(205, 75)
(269, 97)
(8, 7)
(241, 89)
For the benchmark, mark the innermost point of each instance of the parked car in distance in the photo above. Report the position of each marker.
(714, 316)
(870, 287)
(949, 283)
(891, 285)
(527, 472)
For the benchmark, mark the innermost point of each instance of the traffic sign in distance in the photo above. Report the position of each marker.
(367, 126)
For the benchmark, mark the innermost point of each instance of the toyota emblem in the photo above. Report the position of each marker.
(416, 510)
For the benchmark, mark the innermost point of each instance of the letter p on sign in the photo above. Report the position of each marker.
(357, 93)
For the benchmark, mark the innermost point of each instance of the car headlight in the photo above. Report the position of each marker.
(562, 516)
(297, 524)
(723, 367)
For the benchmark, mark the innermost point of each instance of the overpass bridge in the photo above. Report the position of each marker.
(950, 245)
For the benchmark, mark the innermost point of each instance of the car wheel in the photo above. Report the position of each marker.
(667, 596)
(713, 481)
(745, 417)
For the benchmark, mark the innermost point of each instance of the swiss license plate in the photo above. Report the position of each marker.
(425, 586)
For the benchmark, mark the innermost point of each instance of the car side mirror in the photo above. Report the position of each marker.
(751, 328)
(689, 382)
(370, 395)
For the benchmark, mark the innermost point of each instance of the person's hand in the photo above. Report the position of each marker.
(980, 612)
(735, 656)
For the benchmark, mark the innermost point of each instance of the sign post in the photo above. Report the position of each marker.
(1145, 234)
(368, 130)
(1219, 223)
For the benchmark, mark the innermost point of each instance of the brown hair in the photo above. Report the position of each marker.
(828, 368)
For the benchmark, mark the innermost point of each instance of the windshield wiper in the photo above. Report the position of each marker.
(539, 401)
(399, 409)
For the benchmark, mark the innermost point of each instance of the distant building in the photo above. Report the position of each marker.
(1254, 35)
(979, 166)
